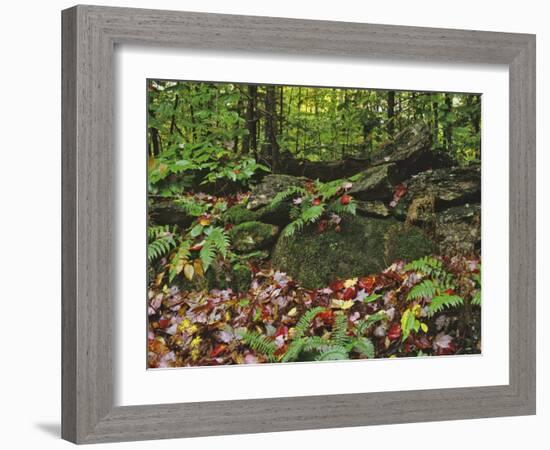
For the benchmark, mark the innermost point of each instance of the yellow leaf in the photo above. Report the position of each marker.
(424, 327)
(158, 279)
(351, 282)
(342, 304)
(197, 265)
(189, 271)
(204, 221)
(292, 312)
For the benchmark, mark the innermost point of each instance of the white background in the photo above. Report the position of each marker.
(134, 385)
(30, 225)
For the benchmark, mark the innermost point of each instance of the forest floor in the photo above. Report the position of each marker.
(382, 315)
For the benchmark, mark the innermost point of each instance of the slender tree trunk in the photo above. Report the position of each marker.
(435, 111)
(391, 112)
(272, 147)
(173, 121)
(448, 131)
(250, 140)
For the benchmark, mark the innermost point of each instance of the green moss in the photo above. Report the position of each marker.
(238, 214)
(363, 246)
(241, 277)
(249, 236)
(407, 243)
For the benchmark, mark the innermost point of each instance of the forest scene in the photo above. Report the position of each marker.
(294, 223)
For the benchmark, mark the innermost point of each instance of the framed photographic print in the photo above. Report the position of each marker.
(308, 210)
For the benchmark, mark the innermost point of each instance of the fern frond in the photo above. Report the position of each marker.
(364, 346)
(339, 334)
(476, 298)
(426, 265)
(312, 213)
(442, 302)
(289, 192)
(220, 240)
(260, 343)
(207, 253)
(362, 326)
(333, 353)
(160, 246)
(425, 289)
(306, 321)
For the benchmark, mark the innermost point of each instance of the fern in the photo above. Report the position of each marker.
(260, 343)
(425, 289)
(364, 346)
(306, 320)
(362, 326)
(217, 241)
(284, 195)
(427, 265)
(308, 215)
(444, 301)
(333, 353)
(476, 298)
(339, 335)
(338, 208)
(161, 242)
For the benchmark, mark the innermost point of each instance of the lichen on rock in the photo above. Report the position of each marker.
(253, 235)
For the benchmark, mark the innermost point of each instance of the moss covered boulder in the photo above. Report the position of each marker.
(263, 193)
(239, 214)
(458, 230)
(363, 246)
(250, 236)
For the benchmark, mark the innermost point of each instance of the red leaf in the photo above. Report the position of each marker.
(394, 332)
(349, 293)
(337, 285)
(196, 247)
(326, 316)
(367, 283)
(164, 323)
(345, 199)
(322, 226)
(422, 342)
(316, 201)
(282, 331)
(449, 292)
(217, 350)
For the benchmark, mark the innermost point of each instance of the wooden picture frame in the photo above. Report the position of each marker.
(90, 34)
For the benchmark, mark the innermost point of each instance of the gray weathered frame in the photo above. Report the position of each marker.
(89, 36)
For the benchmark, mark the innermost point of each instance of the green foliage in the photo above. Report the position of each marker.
(311, 205)
(161, 241)
(216, 242)
(306, 320)
(425, 289)
(364, 324)
(338, 346)
(178, 259)
(443, 301)
(260, 343)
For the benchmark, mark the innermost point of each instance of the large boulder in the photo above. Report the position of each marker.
(375, 183)
(362, 246)
(458, 230)
(444, 188)
(411, 151)
(250, 236)
(264, 192)
(167, 212)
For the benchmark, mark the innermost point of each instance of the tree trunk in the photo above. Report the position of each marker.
(391, 112)
(272, 147)
(448, 133)
(250, 141)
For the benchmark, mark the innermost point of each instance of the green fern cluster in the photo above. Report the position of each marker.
(433, 288)
(260, 343)
(160, 241)
(337, 347)
(323, 198)
(216, 242)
